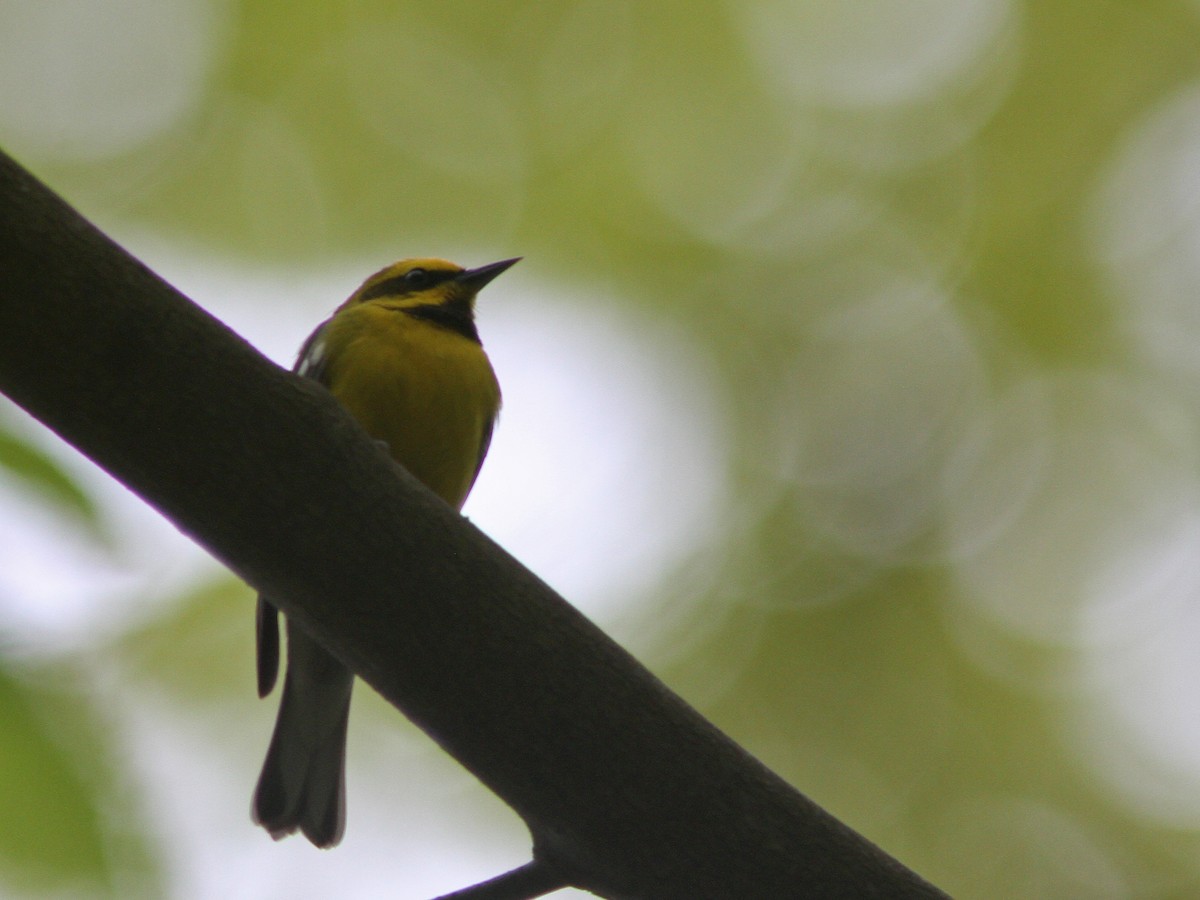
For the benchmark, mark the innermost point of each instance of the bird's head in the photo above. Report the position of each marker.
(428, 282)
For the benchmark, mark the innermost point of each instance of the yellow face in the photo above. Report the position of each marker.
(416, 282)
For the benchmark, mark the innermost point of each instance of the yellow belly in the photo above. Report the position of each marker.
(427, 392)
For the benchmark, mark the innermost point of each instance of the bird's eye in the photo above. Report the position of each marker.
(416, 278)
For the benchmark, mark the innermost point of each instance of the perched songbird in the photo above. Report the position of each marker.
(404, 357)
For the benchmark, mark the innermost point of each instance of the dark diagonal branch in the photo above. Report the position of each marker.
(627, 790)
(532, 880)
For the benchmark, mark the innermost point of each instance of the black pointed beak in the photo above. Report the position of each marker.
(475, 279)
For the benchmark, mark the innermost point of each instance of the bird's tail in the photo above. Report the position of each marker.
(303, 781)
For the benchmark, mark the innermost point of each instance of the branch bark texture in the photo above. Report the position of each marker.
(625, 788)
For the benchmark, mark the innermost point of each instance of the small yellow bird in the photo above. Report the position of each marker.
(404, 357)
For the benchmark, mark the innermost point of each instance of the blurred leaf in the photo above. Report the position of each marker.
(203, 648)
(44, 475)
(55, 837)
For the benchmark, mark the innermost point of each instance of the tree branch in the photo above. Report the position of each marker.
(534, 879)
(626, 789)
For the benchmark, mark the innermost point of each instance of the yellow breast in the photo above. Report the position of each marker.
(426, 391)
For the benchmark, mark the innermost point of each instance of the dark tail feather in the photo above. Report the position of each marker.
(303, 782)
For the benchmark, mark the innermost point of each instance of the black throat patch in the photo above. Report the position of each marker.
(453, 316)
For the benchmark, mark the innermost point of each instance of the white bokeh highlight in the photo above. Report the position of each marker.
(84, 81)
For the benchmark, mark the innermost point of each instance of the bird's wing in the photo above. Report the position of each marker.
(313, 361)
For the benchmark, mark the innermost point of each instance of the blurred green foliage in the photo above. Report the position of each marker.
(70, 829)
(885, 225)
(202, 652)
(60, 837)
(34, 468)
